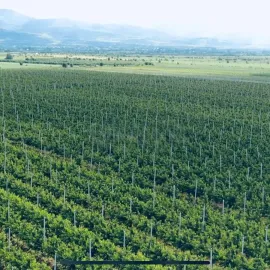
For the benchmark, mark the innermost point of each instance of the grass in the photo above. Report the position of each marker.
(244, 68)
(6, 65)
(214, 71)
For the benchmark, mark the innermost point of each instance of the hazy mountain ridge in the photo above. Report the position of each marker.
(19, 30)
(11, 20)
(17, 39)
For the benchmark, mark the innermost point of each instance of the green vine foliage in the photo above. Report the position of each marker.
(111, 166)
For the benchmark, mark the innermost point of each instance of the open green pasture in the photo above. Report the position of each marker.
(239, 67)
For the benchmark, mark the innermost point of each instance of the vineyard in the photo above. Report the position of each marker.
(109, 166)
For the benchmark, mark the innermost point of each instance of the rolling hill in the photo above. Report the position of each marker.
(22, 30)
(18, 30)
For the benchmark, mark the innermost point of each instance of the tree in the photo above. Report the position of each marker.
(9, 56)
(64, 65)
(148, 63)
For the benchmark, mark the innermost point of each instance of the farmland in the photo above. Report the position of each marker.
(251, 68)
(116, 166)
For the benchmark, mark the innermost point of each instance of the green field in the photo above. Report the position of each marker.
(139, 167)
(253, 68)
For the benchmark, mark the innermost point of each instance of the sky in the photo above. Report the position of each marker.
(221, 18)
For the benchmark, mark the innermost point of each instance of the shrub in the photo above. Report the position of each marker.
(9, 56)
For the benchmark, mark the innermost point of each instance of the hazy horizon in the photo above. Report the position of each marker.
(223, 19)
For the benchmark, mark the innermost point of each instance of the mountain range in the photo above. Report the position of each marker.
(17, 31)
